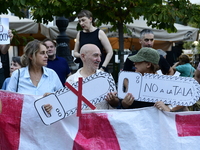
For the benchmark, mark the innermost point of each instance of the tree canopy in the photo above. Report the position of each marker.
(161, 14)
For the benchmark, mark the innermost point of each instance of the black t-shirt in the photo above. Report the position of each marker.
(91, 38)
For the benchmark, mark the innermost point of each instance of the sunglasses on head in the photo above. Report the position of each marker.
(147, 40)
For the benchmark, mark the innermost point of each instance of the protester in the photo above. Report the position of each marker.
(184, 67)
(146, 61)
(35, 78)
(147, 40)
(58, 64)
(91, 58)
(14, 65)
(3, 50)
(92, 35)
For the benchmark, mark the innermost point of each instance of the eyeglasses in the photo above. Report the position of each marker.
(147, 40)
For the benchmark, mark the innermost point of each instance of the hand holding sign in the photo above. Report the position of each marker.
(5, 33)
(173, 90)
(64, 102)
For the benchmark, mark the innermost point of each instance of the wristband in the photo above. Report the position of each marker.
(103, 67)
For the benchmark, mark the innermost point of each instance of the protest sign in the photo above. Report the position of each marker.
(65, 101)
(4, 27)
(173, 90)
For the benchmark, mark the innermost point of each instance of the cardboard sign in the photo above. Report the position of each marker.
(173, 90)
(64, 101)
(4, 27)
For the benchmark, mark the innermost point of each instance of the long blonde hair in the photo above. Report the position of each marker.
(30, 50)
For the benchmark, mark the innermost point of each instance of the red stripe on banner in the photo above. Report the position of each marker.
(10, 119)
(188, 125)
(95, 133)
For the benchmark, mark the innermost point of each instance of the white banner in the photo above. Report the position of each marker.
(142, 129)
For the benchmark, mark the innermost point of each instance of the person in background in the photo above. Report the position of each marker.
(147, 40)
(34, 78)
(92, 35)
(3, 50)
(58, 64)
(146, 61)
(14, 65)
(184, 67)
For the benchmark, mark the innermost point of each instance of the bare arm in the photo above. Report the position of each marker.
(106, 44)
(76, 47)
(171, 71)
(197, 74)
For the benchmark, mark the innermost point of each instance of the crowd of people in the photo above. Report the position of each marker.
(39, 71)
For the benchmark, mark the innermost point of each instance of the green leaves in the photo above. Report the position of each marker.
(160, 14)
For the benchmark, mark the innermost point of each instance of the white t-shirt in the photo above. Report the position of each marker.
(74, 78)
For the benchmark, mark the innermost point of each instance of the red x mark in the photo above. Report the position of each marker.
(80, 96)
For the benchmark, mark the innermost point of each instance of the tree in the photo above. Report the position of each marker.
(161, 14)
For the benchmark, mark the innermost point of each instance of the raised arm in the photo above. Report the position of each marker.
(106, 44)
(197, 73)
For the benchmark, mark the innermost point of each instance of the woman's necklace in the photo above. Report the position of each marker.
(35, 77)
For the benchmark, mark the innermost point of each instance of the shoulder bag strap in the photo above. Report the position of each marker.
(18, 80)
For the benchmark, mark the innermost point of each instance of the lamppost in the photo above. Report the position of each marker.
(63, 41)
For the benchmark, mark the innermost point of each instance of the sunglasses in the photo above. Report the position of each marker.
(147, 40)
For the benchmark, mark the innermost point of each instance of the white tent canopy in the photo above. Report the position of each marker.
(22, 26)
(183, 32)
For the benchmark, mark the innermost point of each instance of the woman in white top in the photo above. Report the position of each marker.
(35, 78)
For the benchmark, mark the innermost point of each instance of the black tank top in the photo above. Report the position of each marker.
(91, 38)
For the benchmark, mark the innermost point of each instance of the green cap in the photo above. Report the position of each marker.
(146, 54)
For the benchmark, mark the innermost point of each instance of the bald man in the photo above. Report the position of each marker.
(91, 57)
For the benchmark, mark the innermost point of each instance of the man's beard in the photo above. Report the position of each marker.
(51, 56)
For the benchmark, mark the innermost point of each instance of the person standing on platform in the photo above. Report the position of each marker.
(58, 64)
(92, 35)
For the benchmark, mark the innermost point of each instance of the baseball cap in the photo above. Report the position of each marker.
(146, 54)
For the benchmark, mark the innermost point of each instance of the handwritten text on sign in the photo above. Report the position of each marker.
(153, 87)
(4, 27)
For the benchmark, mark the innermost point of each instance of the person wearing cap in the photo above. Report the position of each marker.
(146, 61)
(147, 40)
